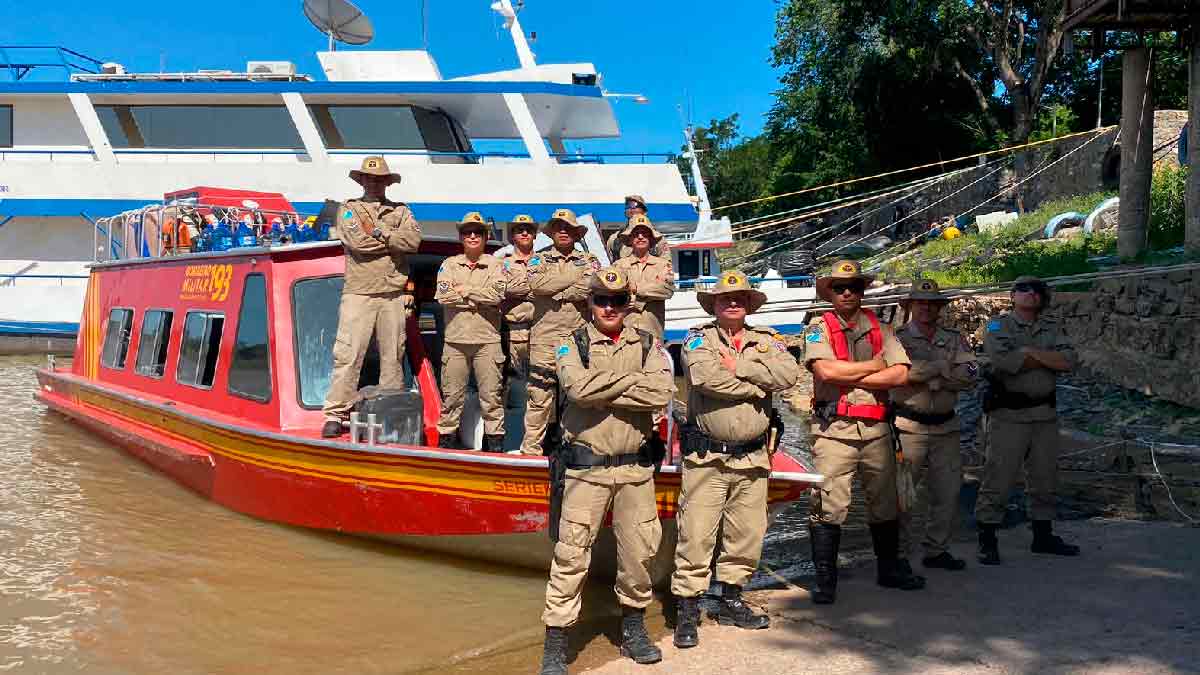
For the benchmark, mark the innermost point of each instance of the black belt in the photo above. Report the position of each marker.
(924, 418)
(1008, 400)
(519, 325)
(582, 457)
(697, 442)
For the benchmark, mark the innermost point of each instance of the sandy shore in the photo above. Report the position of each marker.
(1129, 604)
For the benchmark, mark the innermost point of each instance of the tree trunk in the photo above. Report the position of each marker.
(1022, 128)
(1191, 230)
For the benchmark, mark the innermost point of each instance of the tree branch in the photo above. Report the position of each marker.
(980, 96)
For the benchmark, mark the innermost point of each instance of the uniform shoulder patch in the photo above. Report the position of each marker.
(348, 214)
(563, 350)
(535, 261)
(994, 326)
(814, 335)
(693, 341)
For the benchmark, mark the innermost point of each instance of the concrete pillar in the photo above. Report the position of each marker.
(1191, 221)
(1137, 145)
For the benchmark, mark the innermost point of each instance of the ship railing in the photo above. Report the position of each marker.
(701, 283)
(12, 279)
(264, 155)
(19, 61)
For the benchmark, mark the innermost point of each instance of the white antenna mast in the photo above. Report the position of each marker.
(701, 191)
(505, 9)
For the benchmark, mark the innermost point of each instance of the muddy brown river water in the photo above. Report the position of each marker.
(107, 566)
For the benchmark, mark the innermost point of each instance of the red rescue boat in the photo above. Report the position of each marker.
(212, 368)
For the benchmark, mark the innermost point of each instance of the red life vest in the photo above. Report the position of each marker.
(841, 349)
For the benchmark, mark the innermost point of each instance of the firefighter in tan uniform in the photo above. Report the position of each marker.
(635, 205)
(606, 463)
(733, 371)
(377, 235)
(855, 361)
(942, 365)
(651, 277)
(470, 288)
(517, 307)
(1025, 351)
(558, 283)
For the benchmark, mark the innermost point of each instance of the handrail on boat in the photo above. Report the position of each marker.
(563, 158)
(18, 69)
(684, 283)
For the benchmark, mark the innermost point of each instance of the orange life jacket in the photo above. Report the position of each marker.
(841, 349)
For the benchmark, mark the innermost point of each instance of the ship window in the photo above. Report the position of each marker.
(385, 127)
(6, 126)
(250, 372)
(199, 126)
(116, 339)
(152, 345)
(199, 349)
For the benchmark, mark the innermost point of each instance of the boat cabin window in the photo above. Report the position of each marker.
(6, 126)
(152, 345)
(199, 126)
(199, 349)
(689, 264)
(385, 127)
(250, 372)
(116, 338)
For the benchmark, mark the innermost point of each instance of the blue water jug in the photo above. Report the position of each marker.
(245, 236)
(323, 231)
(203, 241)
(276, 233)
(222, 237)
(296, 234)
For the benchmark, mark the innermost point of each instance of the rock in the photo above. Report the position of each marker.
(1068, 232)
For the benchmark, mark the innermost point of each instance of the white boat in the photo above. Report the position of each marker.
(101, 140)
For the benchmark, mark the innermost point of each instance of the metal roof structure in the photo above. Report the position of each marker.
(1129, 14)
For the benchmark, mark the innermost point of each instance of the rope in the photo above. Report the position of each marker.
(1098, 133)
(1163, 479)
(852, 181)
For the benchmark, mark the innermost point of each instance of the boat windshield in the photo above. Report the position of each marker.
(316, 325)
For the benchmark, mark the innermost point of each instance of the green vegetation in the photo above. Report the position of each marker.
(1008, 252)
(1167, 191)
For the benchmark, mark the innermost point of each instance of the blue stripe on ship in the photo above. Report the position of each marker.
(39, 328)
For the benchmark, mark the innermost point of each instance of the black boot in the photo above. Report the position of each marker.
(635, 643)
(735, 612)
(989, 546)
(886, 539)
(493, 443)
(448, 441)
(554, 651)
(944, 561)
(826, 540)
(687, 622)
(1044, 541)
(332, 429)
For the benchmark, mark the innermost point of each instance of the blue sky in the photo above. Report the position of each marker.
(661, 48)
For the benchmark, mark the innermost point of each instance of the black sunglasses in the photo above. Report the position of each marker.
(617, 301)
(838, 289)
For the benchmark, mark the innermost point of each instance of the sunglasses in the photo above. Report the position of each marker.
(839, 289)
(1026, 288)
(472, 233)
(522, 230)
(616, 301)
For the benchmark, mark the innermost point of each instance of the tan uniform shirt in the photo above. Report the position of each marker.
(1004, 344)
(654, 282)
(374, 266)
(517, 307)
(558, 286)
(662, 249)
(611, 403)
(471, 296)
(817, 346)
(941, 367)
(735, 407)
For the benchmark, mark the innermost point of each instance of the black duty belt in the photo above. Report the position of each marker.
(697, 442)
(1008, 400)
(579, 456)
(931, 419)
(519, 325)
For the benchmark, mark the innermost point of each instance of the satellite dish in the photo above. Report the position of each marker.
(340, 20)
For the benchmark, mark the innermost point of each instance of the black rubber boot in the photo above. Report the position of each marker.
(687, 622)
(735, 612)
(944, 561)
(889, 574)
(493, 443)
(989, 546)
(554, 652)
(1044, 541)
(826, 540)
(448, 441)
(635, 643)
(332, 429)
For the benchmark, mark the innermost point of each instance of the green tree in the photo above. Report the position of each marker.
(733, 167)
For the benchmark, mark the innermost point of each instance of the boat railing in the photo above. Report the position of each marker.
(20, 61)
(12, 279)
(262, 155)
(702, 282)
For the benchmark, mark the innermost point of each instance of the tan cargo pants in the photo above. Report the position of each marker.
(712, 493)
(360, 316)
(518, 357)
(838, 460)
(458, 362)
(1011, 445)
(637, 531)
(937, 467)
(541, 389)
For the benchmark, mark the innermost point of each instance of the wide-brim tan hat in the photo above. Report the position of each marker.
(843, 270)
(636, 198)
(473, 220)
(925, 289)
(566, 216)
(522, 219)
(640, 221)
(609, 280)
(731, 282)
(374, 166)
(1041, 288)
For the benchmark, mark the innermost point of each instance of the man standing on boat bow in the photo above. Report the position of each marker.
(615, 378)
(650, 277)
(733, 371)
(378, 234)
(854, 360)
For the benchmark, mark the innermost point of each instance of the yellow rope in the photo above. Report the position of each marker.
(915, 168)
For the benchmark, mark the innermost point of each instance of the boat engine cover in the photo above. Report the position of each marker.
(400, 412)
